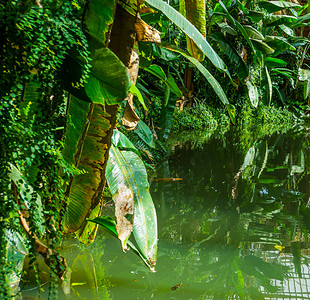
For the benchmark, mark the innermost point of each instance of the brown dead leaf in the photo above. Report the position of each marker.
(130, 118)
(146, 33)
(124, 205)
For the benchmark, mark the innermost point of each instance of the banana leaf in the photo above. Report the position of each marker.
(145, 133)
(242, 68)
(168, 80)
(275, 20)
(109, 225)
(262, 46)
(274, 62)
(190, 31)
(253, 93)
(126, 168)
(253, 33)
(166, 116)
(227, 29)
(135, 91)
(99, 16)
(273, 6)
(269, 86)
(213, 82)
(86, 147)
(109, 81)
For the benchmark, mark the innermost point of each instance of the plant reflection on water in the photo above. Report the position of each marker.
(235, 227)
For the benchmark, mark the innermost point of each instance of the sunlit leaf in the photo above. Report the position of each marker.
(135, 91)
(109, 81)
(253, 33)
(273, 6)
(145, 133)
(253, 93)
(126, 167)
(190, 30)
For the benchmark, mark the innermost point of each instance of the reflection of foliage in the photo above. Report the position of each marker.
(236, 240)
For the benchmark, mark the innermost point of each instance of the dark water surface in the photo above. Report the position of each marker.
(235, 227)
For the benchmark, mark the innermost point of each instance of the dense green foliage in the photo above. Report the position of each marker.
(63, 79)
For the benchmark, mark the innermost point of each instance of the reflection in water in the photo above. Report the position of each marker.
(235, 227)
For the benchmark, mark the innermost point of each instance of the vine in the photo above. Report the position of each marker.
(37, 37)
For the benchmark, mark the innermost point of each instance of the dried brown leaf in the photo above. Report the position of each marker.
(124, 205)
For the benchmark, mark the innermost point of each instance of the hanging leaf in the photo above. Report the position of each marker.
(273, 6)
(173, 86)
(253, 93)
(156, 71)
(269, 86)
(98, 18)
(242, 68)
(166, 116)
(275, 62)
(86, 147)
(168, 80)
(190, 30)
(262, 46)
(213, 82)
(145, 133)
(26, 193)
(121, 141)
(126, 168)
(253, 33)
(135, 91)
(109, 81)
(109, 225)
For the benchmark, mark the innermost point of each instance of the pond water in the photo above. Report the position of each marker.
(233, 225)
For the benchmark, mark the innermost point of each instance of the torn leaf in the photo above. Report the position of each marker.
(124, 205)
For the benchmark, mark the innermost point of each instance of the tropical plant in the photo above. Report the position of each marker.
(66, 68)
(266, 60)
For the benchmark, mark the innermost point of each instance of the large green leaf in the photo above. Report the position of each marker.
(269, 86)
(190, 30)
(253, 93)
(109, 81)
(86, 147)
(273, 6)
(253, 33)
(280, 44)
(262, 46)
(213, 82)
(135, 91)
(168, 80)
(274, 20)
(242, 68)
(109, 225)
(145, 133)
(274, 62)
(166, 116)
(126, 168)
(98, 19)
